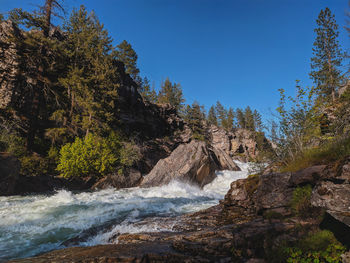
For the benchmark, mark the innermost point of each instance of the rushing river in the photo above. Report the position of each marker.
(37, 223)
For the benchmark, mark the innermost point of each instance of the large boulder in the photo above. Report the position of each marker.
(9, 173)
(194, 162)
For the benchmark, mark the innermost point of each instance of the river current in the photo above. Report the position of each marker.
(38, 223)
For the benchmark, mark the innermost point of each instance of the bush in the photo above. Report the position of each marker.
(95, 156)
(301, 200)
(318, 247)
(89, 156)
(330, 151)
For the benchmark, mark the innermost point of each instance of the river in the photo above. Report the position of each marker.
(38, 223)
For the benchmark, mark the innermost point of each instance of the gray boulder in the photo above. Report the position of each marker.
(194, 162)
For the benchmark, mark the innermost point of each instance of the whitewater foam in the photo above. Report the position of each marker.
(38, 223)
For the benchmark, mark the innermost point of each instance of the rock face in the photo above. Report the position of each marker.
(194, 162)
(9, 173)
(239, 144)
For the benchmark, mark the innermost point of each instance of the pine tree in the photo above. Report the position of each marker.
(91, 81)
(249, 119)
(212, 119)
(48, 10)
(195, 118)
(40, 58)
(240, 118)
(230, 119)
(221, 114)
(147, 92)
(172, 94)
(328, 56)
(257, 121)
(126, 54)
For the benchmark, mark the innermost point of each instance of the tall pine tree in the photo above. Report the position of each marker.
(328, 56)
(172, 94)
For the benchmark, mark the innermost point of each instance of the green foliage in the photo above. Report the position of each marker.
(298, 125)
(212, 118)
(328, 56)
(89, 156)
(318, 247)
(172, 94)
(126, 54)
(329, 151)
(195, 118)
(147, 92)
(91, 80)
(95, 156)
(301, 200)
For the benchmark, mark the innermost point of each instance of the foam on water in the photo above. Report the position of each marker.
(37, 223)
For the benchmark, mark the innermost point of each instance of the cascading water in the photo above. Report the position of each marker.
(37, 223)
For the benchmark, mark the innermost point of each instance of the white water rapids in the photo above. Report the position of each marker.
(38, 223)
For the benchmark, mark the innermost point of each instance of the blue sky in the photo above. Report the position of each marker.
(239, 52)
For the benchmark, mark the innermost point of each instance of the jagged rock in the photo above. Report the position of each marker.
(239, 144)
(273, 192)
(9, 173)
(194, 162)
(308, 175)
(130, 178)
(335, 198)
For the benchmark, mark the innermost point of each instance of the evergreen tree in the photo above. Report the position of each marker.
(249, 119)
(48, 10)
(91, 80)
(240, 118)
(328, 56)
(257, 121)
(230, 119)
(172, 94)
(147, 92)
(195, 118)
(212, 119)
(221, 114)
(126, 54)
(40, 61)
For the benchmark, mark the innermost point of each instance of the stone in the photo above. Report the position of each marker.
(131, 177)
(308, 175)
(194, 162)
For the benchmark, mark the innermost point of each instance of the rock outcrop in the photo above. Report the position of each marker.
(194, 162)
(9, 173)
(240, 143)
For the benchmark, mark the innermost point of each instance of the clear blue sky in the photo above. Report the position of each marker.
(239, 52)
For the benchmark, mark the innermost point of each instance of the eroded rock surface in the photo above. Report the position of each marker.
(194, 162)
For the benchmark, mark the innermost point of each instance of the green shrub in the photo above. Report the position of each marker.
(330, 151)
(321, 246)
(301, 200)
(95, 156)
(89, 156)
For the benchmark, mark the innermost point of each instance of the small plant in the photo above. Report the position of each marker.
(321, 246)
(301, 200)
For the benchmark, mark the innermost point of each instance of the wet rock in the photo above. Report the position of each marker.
(131, 177)
(194, 162)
